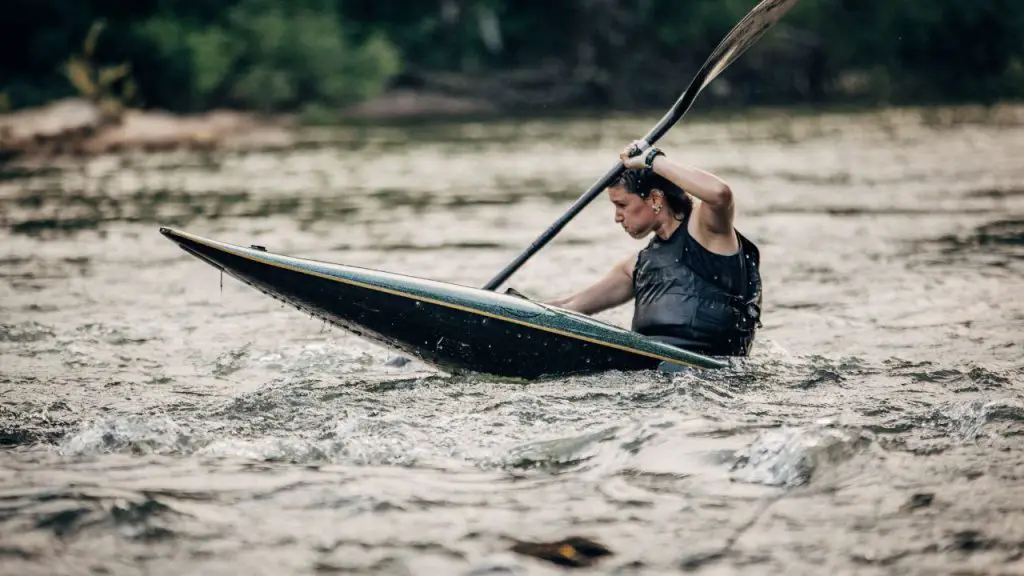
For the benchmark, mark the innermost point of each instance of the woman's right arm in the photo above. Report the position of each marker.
(616, 288)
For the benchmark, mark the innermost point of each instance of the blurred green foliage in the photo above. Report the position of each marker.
(267, 55)
(316, 56)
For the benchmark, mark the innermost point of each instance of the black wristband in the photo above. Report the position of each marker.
(651, 155)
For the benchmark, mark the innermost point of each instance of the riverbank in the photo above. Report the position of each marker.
(76, 127)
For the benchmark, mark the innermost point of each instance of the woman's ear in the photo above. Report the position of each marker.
(657, 200)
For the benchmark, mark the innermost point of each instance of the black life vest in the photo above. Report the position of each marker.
(678, 305)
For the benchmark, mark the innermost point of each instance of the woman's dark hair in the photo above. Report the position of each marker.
(641, 181)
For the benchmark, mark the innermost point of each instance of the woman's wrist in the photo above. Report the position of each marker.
(651, 156)
(651, 160)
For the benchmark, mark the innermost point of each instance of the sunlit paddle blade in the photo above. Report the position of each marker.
(744, 35)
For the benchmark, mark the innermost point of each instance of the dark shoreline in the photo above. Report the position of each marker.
(76, 128)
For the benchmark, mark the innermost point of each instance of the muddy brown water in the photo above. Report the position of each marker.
(155, 422)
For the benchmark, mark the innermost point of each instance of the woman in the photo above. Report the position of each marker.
(696, 285)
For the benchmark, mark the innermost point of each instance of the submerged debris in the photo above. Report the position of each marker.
(919, 500)
(574, 551)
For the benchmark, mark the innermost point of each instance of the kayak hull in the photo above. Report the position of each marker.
(453, 327)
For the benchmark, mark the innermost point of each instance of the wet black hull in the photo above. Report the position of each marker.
(455, 328)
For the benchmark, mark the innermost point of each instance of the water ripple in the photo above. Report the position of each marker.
(154, 418)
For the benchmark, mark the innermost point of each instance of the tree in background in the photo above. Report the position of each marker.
(289, 55)
(267, 55)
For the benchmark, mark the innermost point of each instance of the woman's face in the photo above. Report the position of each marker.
(635, 214)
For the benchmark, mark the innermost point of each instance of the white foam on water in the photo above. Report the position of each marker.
(129, 434)
(791, 456)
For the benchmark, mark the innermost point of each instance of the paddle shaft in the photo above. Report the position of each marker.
(741, 37)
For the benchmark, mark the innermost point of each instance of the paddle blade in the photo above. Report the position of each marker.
(744, 35)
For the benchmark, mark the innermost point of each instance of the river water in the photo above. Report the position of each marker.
(155, 421)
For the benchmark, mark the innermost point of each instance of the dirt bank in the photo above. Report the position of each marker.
(78, 127)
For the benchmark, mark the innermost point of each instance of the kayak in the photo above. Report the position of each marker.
(455, 328)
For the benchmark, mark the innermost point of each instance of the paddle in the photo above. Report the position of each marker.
(742, 36)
